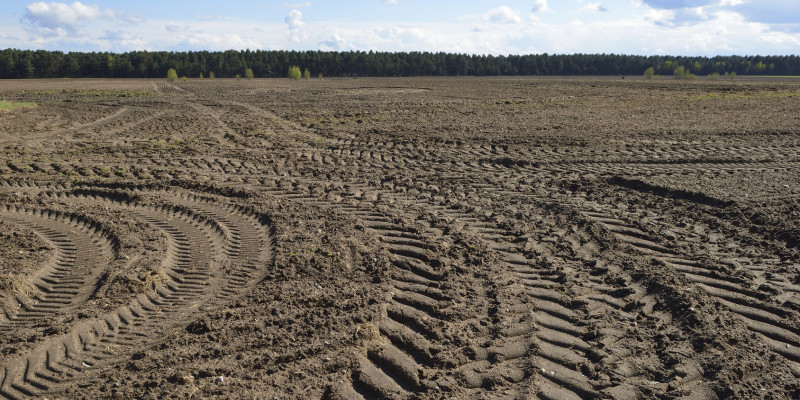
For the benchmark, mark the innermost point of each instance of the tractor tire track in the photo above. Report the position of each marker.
(82, 251)
(535, 343)
(758, 294)
(193, 280)
(410, 344)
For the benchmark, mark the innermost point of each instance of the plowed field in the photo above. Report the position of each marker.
(400, 239)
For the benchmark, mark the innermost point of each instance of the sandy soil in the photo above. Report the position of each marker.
(400, 238)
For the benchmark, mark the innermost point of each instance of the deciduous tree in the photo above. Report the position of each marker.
(294, 73)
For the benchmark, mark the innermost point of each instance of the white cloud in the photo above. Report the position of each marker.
(124, 40)
(131, 18)
(780, 13)
(676, 4)
(389, 1)
(780, 38)
(723, 33)
(207, 41)
(334, 43)
(115, 35)
(503, 15)
(296, 26)
(60, 18)
(173, 26)
(540, 6)
(594, 8)
(6, 36)
(660, 17)
(433, 37)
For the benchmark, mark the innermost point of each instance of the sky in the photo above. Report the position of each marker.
(644, 27)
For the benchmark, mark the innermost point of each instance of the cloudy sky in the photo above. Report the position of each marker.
(675, 27)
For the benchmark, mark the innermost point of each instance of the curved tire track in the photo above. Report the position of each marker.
(82, 251)
(213, 255)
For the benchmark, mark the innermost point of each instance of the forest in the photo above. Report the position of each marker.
(16, 64)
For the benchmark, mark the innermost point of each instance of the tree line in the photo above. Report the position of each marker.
(270, 64)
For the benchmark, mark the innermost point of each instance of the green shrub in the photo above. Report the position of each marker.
(714, 76)
(211, 75)
(294, 73)
(320, 76)
(248, 73)
(306, 74)
(172, 75)
(649, 73)
(682, 73)
(201, 75)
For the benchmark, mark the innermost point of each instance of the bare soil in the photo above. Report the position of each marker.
(400, 238)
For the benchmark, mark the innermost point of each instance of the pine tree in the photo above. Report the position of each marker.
(28, 69)
(8, 68)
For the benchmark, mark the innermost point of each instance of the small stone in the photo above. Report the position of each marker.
(326, 359)
(219, 379)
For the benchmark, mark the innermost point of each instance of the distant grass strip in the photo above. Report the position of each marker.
(13, 105)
